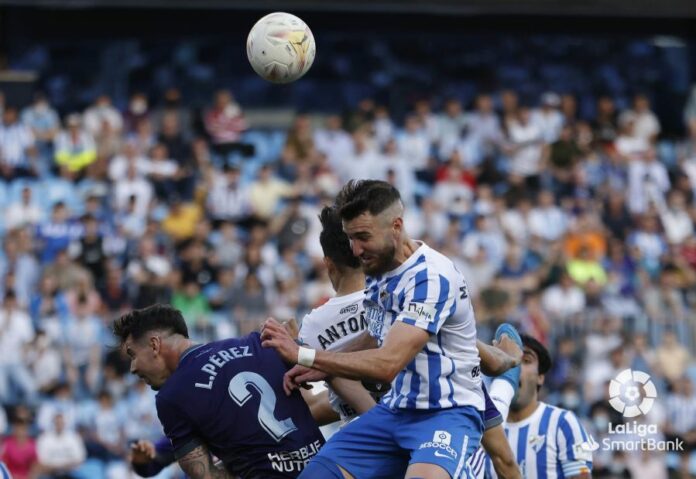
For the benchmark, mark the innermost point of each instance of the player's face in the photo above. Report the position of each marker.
(530, 379)
(145, 361)
(373, 241)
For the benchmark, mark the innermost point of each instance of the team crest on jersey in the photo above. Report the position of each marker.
(537, 442)
(443, 437)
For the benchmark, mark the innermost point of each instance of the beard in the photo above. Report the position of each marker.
(381, 262)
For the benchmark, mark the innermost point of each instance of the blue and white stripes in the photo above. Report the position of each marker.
(429, 293)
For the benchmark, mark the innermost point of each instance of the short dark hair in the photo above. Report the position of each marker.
(334, 241)
(359, 196)
(541, 352)
(155, 317)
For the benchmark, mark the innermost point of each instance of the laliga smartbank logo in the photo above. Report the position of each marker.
(633, 394)
(625, 393)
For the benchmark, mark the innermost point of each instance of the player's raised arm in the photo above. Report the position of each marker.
(497, 359)
(198, 464)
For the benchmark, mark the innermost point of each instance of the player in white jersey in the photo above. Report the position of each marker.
(420, 313)
(339, 320)
(548, 442)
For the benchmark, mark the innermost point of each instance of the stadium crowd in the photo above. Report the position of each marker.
(578, 230)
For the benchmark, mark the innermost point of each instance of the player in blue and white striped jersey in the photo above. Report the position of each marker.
(548, 442)
(4, 471)
(420, 313)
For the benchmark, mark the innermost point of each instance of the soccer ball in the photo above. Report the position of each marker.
(281, 47)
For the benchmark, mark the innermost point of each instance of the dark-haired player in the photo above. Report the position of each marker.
(223, 398)
(420, 314)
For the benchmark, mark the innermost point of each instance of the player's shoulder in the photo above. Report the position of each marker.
(435, 262)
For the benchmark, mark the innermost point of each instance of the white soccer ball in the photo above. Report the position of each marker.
(281, 47)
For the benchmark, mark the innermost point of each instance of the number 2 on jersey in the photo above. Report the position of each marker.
(239, 392)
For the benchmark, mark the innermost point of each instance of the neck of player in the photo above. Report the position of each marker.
(408, 247)
(178, 345)
(524, 413)
(349, 282)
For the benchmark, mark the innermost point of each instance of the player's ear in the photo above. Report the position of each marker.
(540, 380)
(155, 344)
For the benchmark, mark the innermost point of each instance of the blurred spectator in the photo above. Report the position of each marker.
(414, 146)
(605, 124)
(17, 263)
(564, 155)
(162, 172)
(18, 450)
(266, 192)
(333, 142)
(224, 123)
(102, 117)
(228, 199)
(74, 148)
(525, 147)
(137, 111)
(484, 125)
(563, 300)
(182, 219)
(16, 333)
(17, 147)
(547, 221)
(548, 117)
(646, 124)
(172, 104)
(675, 218)
(27, 211)
(360, 163)
(60, 451)
(681, 420)
(56, 234)
(44, 123)
(671, 357)
(179, 148)
(383, 126)
(45, 362)
(648, 181)
(133, 188)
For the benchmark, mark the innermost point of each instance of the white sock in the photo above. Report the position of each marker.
(501, 393)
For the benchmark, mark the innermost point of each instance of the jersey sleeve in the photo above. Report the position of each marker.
(574, 446)
(305, 333)
(177, 427)
(428, 301)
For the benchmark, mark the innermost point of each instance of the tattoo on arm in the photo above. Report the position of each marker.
(198, 464)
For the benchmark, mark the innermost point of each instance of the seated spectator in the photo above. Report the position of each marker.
(648, 243)
(525, 146)
(16, 333)
(162, 172)
(137, 111)
(563, 300)
(564, 155)
(333, 141)
(672, 358)
(548, 117)
(44, 123)
(133, 186)
(26, 211)
(675, 218)
(60, 451)
(547, 221)
(585, 232)
(129, 155)
(648, 181)
(681, 420)
(18, 449)
(102, 116)
(180, 223)
(74, 148)
(585, 268)
(266, 192)
(179, 148)
(17, 147)
(647, 126)
(414, 146)
(605, 125)
(224, 123)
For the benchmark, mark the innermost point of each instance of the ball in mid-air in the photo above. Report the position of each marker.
(281, 47)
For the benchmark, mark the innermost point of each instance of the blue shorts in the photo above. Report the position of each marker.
(491, 416)
(382, 443)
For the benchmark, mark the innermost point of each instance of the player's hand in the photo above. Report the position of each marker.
(142, 452)
(299, 376)
(509, 347)
(292, 328)
(274, 335)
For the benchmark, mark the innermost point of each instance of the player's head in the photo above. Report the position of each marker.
(536, 362)
(338, 257)
(148, 337)
(372, 214)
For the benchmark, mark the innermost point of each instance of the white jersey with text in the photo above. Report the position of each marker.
(331, 326)
(428, 292)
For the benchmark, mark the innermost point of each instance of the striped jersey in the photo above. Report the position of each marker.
(329, 327)
(549, 444)
(428, 292)
(4, 471)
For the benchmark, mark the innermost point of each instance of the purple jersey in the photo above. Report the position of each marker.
(229, 396)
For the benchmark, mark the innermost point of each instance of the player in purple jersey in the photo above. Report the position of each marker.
(223, 398)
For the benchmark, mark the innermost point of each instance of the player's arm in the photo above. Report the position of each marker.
(495, 360)
(498, 449)
(353, 393)
(320, 407)
(401, 345)
(198, 464)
